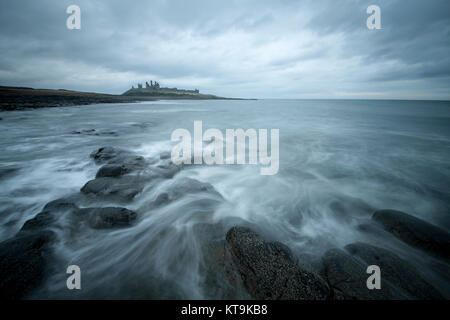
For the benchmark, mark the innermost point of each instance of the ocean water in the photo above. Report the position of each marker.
(339, 162)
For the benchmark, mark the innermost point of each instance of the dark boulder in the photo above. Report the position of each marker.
(222, 279)
(165, 155)
(167, 169)
(85, 131)
(269, 270)
(60, 204)
(397, 271)
(161, 200)
(112, 171)
(108, 217)
(415, 232)
(42, 220)
(123, 189)
(111, 155)
(108, 154)
(208, 198)
(24, 260)
(348, 278)
(186, 186)
(94, 132)
(51, 212)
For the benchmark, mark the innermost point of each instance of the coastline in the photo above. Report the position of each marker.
(23, 98)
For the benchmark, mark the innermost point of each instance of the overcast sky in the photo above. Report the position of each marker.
(237, 48)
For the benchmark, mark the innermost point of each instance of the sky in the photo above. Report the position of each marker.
(289, 49)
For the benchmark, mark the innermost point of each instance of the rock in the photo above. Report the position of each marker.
(208, 198)
(166, 169)
(348, 277)
(186, 186)
(222, 279)
(104, 133)
(108, 217)
(123, 189)
(42, 220)
(49, 215)
(269, 270)
(161, 200)
(106, 154)
(23, 263)
(85, 131)
(117, 162)
(398, 272)
(309, 262)
(200, 199)
(165, 155)
(111, 155)
(415, 232)
(112, 171)
(60, 204)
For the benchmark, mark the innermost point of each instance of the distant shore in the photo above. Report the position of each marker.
(22, 98)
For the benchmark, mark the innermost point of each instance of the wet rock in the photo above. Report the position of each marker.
(161, 200)
(348, 277)
(207, 200)
(166, 169)
(415, 232)
(84, 131)
(200, 199)
(269, 270)
(60, 204)
(188, 186)
(93, 132)
(111, 155)
(49, 215)
(112, 171)
(398, 272)
(106, 154)
(222, 278)
(107, 133)
(24, 260)
(123, 189)
(41, 220)
(309, 262)
(108, 217)
(165, 155)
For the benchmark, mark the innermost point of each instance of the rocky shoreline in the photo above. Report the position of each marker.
(239, 261)
(17, 98)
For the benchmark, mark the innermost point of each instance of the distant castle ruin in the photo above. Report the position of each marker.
(154, 88)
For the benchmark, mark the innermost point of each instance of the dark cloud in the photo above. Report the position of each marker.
(286, 49)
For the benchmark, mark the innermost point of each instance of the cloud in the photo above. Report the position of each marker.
(287, 49)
